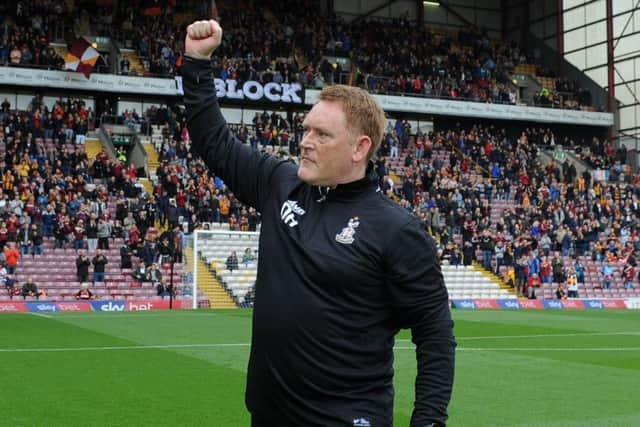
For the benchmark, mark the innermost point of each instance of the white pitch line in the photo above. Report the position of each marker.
(116, 316)
(502, 337)
(226, 345)
(46, 316)
(119, 347)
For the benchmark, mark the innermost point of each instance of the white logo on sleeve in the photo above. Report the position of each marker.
(288, 211)
(347, 233)
(361, 422)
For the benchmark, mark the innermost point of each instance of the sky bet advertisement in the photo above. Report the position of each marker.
(549, 304)
(461, 304)
(107, 306)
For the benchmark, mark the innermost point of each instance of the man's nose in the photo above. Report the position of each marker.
(306, 144)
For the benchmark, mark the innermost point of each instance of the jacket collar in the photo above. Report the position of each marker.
(349, 190)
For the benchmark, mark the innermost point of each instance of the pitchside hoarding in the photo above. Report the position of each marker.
(12, 307)
(462, 304)
(107, 306)
(526, 304)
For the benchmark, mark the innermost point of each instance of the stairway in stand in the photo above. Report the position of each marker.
(152, 157)
(530, 69)
(147, 184)
(60, 48)
(92, 147)
(152, 165)
(148, 187)
(525, 69)
(548, 82)
(135, 66)
(494, 278)
(209, 286)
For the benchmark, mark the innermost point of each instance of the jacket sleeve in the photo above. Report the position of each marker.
(421, 303)
(246, 172)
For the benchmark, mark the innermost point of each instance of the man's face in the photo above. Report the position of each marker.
(327, 148)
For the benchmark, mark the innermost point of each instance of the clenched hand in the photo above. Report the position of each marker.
(203, 37)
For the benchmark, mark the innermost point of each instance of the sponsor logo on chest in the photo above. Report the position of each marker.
(289, 211)
(347, 235)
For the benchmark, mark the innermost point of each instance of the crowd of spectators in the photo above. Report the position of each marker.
(66, 121)
(449, 178)
(154, 36)
(401, 57)
(261, 43)
(597, 153)
(564, 93)
(8, 262)
(51, 190)
(452, 179)
(600, 154)
(554, 212)
(25, 29)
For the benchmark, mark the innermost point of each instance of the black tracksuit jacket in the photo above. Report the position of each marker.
(340, 272)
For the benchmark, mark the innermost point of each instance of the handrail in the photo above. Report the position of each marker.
(456, 149)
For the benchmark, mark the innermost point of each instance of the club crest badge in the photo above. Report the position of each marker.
(346, 236)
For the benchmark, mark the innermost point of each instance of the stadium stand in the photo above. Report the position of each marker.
(438, 159)
(55, 273)
(287, 42)
(462, 281)
(482, 191)
(49, 182)
(27, 27)
(434, 175)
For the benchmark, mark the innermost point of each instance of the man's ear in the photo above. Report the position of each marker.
(361, 148)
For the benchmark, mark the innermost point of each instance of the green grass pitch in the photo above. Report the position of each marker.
(184, 368)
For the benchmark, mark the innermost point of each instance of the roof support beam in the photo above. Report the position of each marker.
(374, 10)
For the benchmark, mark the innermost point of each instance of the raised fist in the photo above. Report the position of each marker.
(203, 37)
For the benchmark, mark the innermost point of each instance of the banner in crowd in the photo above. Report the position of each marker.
(295, 94)
(443, 107)
(99, 305)
(15, 76)
(526, 304)
(82, 57)
(291, 93)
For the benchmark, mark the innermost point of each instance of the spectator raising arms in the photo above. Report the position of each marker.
(99, 262)
(12, 256)
(84, 293)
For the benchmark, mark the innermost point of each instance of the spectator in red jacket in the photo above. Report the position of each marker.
(532, 283)
(12, 255)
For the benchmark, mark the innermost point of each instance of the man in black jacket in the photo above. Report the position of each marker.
(125, 255)
(82, 266)
(99, 262)
(347, 267)
(36, 240)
